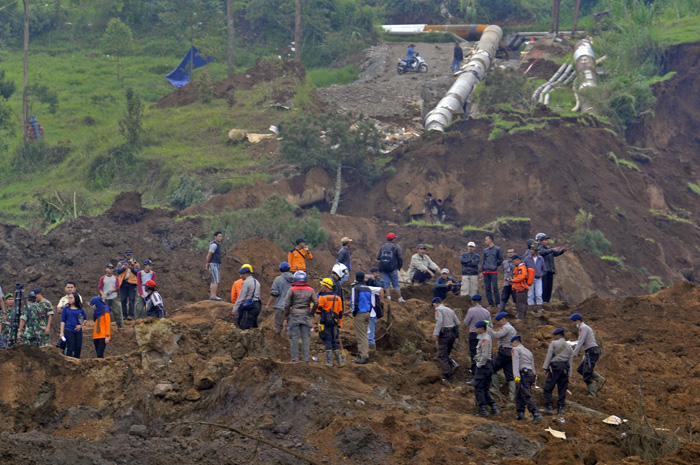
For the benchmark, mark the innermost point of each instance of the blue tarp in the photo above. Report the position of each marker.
(181, 75)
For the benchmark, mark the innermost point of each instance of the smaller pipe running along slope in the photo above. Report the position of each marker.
(472, 73)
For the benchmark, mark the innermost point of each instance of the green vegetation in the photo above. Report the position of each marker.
(493, 225)
(694, 188)
(585, 238)
(615, 259)
(275, 220)
(684, 31)
(622, 162)
(672, 217)
(425, 224)
(323, 77)
(188, 192)
(505, 87)
(426, 37)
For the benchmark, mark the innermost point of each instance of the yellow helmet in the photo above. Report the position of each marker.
(328, 282)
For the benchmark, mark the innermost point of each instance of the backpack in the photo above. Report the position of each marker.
(530, 276)
(387, 263)
(378, 310)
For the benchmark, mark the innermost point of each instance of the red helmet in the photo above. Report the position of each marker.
(150, 283)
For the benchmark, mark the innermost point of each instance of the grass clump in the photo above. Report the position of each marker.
(672, 217)
(324, 77)
(694, 188)
(493, 225)
(614, 259)
(420, 223)
(622, 162)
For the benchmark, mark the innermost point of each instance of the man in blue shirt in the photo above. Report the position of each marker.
(410, 57)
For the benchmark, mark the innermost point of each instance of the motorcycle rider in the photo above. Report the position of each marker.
(410, 57)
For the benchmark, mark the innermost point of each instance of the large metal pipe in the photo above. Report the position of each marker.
(471, 32)
(470, 75)
(584, 60)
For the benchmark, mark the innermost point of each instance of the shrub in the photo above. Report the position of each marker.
(206, 89)
(189, 192)
(32, 155)
(505, 87)
(592, 240)
(275, 220)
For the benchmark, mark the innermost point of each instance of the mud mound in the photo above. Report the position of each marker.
(198, 367)
(289, 71)
(541, 69)
(126, 208)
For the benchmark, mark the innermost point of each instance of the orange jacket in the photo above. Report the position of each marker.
(330, 303)
(235, 290)
(103, 323)
(297, 259)
(519, 281)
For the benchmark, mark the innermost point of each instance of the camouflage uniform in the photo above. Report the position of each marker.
(32, 324)
(5, 319)
(45, 314)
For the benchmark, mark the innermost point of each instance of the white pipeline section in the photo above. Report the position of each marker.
(471, 74)
(584, 60)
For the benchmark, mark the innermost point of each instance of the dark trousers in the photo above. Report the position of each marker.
(248, 319)
(473, 342)
(521, 304)
(446, 340)
(483, 384)
(443, 291)
(74, 343)
(100, 345)
(523, 398)
(504, 360)
(547, 286)
(558, 375)
(587, 366)
(127, 291)
(329, 336)
(420, 276)
(491, 285)
(506, 293)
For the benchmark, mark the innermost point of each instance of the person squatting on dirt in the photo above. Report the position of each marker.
(72, 321)
(484, 370)
(558, 365)
(524, 369)
(101, 333)
(475, 314)
(343, 256)
(127, 270)
(390, 258)
(362, 301)
(300, 304)
(422, 267)
(146, 274)
(154, 301)
(328, 321)
(491, 259)
(504, 358)
(445, 332)
(108, 287)
(298, 255)
(591, 354)
(213, 264)
(444, 284)
(278, 294)
(248, 304)
(470, 270)
(519, 283)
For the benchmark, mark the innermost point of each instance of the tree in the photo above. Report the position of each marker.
(7, 86)
(343, 145)
(131, 125)
(117, 40)
(43, 94)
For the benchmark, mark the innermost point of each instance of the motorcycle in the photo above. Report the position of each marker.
(418, 66)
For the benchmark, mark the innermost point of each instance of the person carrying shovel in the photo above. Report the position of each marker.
(328, 320)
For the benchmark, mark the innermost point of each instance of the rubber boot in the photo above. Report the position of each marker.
(494, 409)
(494, 383)
(549, 408)
(591, 390)
(511, 390)
(338, 357)
(536, 418)
(329, 358)
(521, 416)
(483, 412)
(599, 381)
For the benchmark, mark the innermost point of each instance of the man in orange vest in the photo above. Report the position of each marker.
(298, 255)
(519, 284)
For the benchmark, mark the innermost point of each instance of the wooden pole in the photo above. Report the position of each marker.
(25, 76)
(229, 35)
(297, 29)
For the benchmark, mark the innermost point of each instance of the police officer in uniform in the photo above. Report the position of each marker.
(445, 333)
(475, 314)
(484, 370)
(524, 368)
(587, 344)
(559, 367)
(504, 359)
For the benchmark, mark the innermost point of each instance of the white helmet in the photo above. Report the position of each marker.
(340, 270)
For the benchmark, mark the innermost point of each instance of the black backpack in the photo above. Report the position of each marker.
(387, 262)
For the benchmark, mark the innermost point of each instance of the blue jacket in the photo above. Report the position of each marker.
(410, 54)
(362, 299)
(344, 257)
(470, 263)
(539, 266)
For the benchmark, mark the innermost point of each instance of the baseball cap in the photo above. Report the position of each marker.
(515, 257)
(109, 265)
(36, 291)
(128, 252)
(541, 237)
(421, 246)
(471, 244)
(445, 270)
(245, 269)
(345, 240)
(301, 240)
(147, 262)
(391, 236)
(284, 266)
